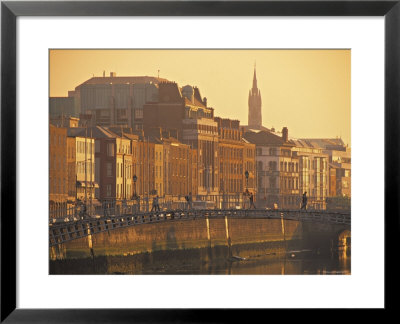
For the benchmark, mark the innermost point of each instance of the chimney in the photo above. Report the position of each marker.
(205, 101)
(113, 74)
(285, 134)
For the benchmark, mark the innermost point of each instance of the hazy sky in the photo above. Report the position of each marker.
(307, 91)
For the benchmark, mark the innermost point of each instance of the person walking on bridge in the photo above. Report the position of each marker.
(105, 208)
(251, 198)
(157, 203)
(137, 205)
(154, 207)
(190, 199)
(304, 201)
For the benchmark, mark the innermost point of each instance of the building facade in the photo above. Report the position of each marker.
(71, 165)
(313, 173)
(112, 100)
(182, 111)
(58, 171)
(277, 170)
(62, 106)
(64, 121)
(339, 159)
(249, 165)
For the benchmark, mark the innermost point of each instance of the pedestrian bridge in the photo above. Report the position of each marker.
(61, 232)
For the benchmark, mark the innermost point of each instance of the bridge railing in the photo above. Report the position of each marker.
(111, 209)
(337, 217)
(65, 231)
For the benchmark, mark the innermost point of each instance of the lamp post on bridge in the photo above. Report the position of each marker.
(134, 183)
(246, 174)
(134, 193)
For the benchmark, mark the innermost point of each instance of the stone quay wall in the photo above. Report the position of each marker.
(180, 235)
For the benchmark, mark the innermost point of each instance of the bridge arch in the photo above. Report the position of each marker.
(344, 237)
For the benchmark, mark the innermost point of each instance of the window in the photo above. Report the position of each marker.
(109, 169)
(110, 149)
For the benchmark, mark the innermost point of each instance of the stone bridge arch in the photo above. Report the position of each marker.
(344, 237)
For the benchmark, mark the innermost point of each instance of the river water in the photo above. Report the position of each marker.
(264, 260)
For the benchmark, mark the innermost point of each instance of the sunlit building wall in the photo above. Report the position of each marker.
(277, 173)
(114, 100)
(183, 111)
(58, 171)
(313, 173)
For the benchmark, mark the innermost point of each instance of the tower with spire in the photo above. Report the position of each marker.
(255, 119)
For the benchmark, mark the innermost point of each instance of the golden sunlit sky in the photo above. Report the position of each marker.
(307, 91)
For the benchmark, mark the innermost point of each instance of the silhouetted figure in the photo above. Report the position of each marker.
(83, 211)
(154, 207)
(251, 198)
(246, 194)
(190, 200)
(304, 201)
(105, 208)
(157, 203)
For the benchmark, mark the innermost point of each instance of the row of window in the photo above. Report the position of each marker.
(232, 168)
(58, 139)
(249, 167)
(204, 128)
(82, 167)
(315, 164)
(231, 185)
(58, 186)
(230, 134)
(199, 113)
(289, 166)
(120, 193)
(272, 151)
(231, 153)
(80, 147)
(249, 153)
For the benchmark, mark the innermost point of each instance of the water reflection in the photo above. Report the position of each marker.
(215, 261)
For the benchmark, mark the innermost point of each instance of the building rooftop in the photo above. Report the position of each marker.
(265, 138)
(93, 132)
(195, 102)
(121, 80)
(255, 129)
(326, 143)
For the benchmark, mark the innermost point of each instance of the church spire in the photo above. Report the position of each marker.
(255, 118)
(255, 77)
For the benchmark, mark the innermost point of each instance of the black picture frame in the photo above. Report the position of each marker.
(10, 10)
